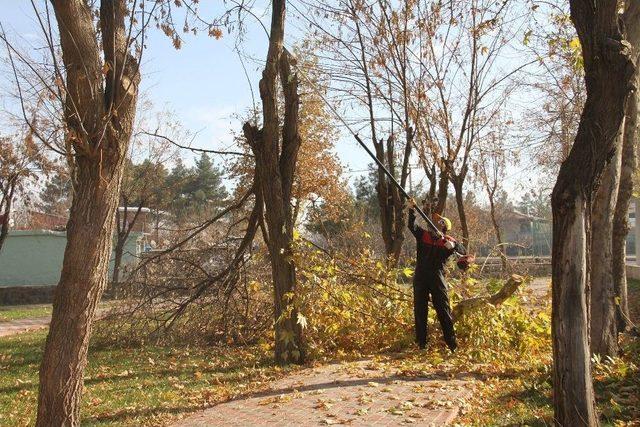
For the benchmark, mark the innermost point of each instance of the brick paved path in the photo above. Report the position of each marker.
(23, 325)
(359, 394)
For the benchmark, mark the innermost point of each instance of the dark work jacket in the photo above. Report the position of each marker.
(432, 254)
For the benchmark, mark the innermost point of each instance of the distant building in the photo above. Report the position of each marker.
(529, 235)
(631, 237)
(36, 220)
(33, 251)
(522, 235)
(142, 219)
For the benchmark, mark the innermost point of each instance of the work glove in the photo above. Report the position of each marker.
(449, 245)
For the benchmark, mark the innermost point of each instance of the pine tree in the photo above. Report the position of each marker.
(55, 196)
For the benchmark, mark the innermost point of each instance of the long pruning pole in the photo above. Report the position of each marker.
(369, 152)
(367, 149)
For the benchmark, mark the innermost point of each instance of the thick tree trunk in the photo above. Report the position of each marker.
(608, 71)
(276, 155)
(392, 215)
(621, 215)
(385, 205)
(99, 113)
(82, 282)
(289, 344)
(627, 171)
(603, 330)
(431, 195)
(392, 222)
(574, 401)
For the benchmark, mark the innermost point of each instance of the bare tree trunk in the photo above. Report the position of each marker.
(118, 251)
(276, 156)
(627, 170)
(123, 231)
(99, 113)
(82, 282)
(496, 229)
(573, 390)
(443, 187)
(608, 71)
(603, 327)
(397, 218)
(458, 183)
(385, 197)
(621, 215)
(431, 175)
(5, 216)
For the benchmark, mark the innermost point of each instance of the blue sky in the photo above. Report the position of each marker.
(203, 83)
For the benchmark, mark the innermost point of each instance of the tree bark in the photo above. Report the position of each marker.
(83, 279)
(620, 220)
(608, 71)
(276, 156)
(99, 112)
(497, 231)
(573, 390)
(478, 303)
(603, 327)
(123, 231)
(5, 215)
(627, 170)
(458, 183)
(443, 187)
(392, 213)
(118, 251)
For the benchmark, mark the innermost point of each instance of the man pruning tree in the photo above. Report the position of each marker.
(433, 250)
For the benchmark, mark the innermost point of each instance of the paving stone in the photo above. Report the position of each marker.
(355, 394)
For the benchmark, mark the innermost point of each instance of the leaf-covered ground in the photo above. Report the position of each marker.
(522, 393)
(505, 352)
(134, 386)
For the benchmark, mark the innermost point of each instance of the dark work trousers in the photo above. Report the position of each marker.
(432, 287)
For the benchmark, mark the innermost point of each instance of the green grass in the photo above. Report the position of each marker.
(526, 398)
(149, 385)
(18, 312)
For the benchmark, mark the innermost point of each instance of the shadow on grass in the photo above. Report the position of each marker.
(536, 400)
(361, 382)
(163, 373)
(617, 398)
(123, 415)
